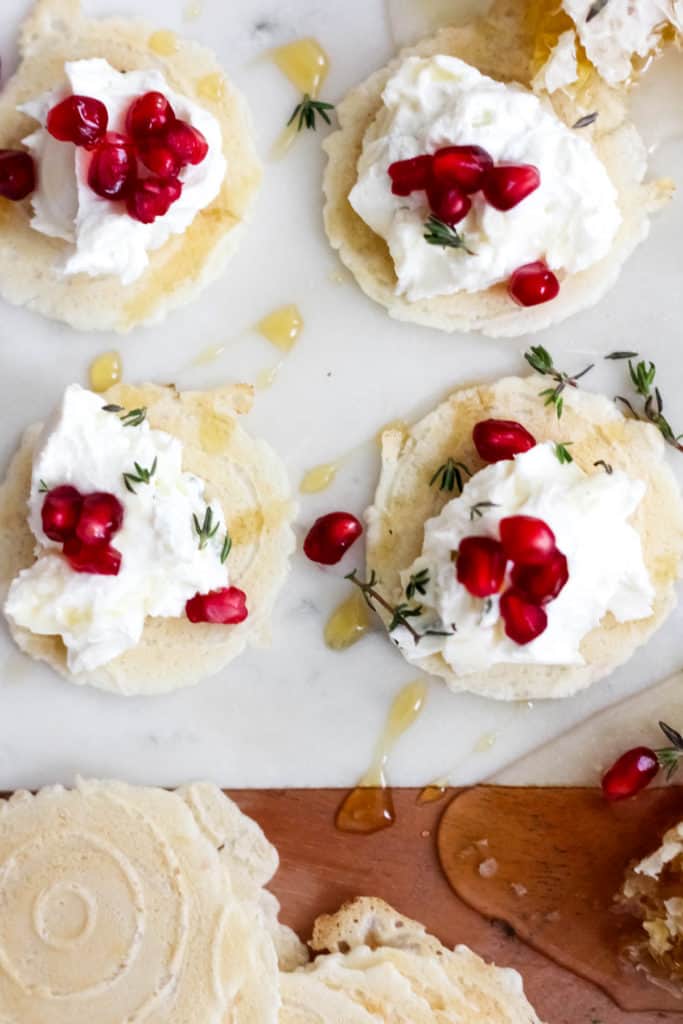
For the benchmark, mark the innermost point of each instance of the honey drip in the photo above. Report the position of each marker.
(370, 806)
(211, 87)
(433, 792)
(319, 478)
(164, 43)
(306, 65)
(105, 371)
(348, 623)
(282, 327)
(400, 425)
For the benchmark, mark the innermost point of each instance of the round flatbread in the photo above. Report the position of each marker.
(251, 484)
(491, 311)
(56, 32)
(404, 501)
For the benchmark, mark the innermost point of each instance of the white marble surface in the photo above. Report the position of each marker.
(299, 714)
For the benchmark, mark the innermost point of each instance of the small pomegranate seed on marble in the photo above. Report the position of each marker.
(17, 174)
(149, 114)
(186, 142)
(152, 197)
(100, 518)
(60, 512)
(496, 440)
(524, 620)
(158, 158)
(97, 559)
(507, 185)
(410, 175)
(527, 540)
(542, 583)
(630, 773)
(226, 607)
(113, 167)
(448, 204)
(78, 119)
(463, 167)
(331, 536)
(480, 565)
(532, 284)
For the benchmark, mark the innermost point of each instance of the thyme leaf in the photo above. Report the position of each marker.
(226, 549)
(621, 355)
(307, 110)
(562, 453)
(140, 476)
(437, 232)
(131, 417)
(605, 465)
(43, 488)
(540, 360)
(595, 8)
(417, 584)
(206, 530)
(586, 120)
(477, 511)
(449, 475)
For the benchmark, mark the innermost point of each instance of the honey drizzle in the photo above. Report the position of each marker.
(348, 623)
(370, 806)
(105, 371)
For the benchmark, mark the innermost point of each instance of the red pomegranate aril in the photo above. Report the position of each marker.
(331, 536)
(409, 175)
(480, 565)
(448, 204)
(113, 167)
(17, 174)
(524, 620)
(78, 119)
(159, 159)
(149, 114)
(542, 583)
(101, 517)
(224, 607)
(186, 142)
(507, 185)
(97, 559)
(532, 284)
(630, 773)
(60, 512)
(464, 167)
(527, 540)
(152, 197)
(496, 440)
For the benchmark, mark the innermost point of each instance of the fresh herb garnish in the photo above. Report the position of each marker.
(207, 530)
(437, 232)
(621, 355)
(449, 475)
(417, 584)
(562, 453)
(669, 757)
(586, 120)
(540, 360)
(595, 8)
(400, 614)
(306, 112)
(140, 476)
(605, 465)
(43, 488)
(477, 511)
(130, 418)
(642, 376)
(227, 548)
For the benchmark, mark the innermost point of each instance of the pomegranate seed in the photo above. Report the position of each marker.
(630, 773)
(448, 204)
(527, 540)
(101, 516)
(188, 143)
(60, 512)
(149, 114)
(409, 175)
(113, 168)
(159, 159)
(78, 119)
(532, 284)
(507, 185)
(496, 440)
(542, 583)
(524, 621)
(152, 198)
(481, 565)
(464, 167)
(98, 559)
(331, 536)
(17, 174)
(225, 607)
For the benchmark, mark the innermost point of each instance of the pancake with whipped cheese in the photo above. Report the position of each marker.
(129, 640)
(463, 87)
(375, 965)
(615, 508)
(89, 284)
(123, 903)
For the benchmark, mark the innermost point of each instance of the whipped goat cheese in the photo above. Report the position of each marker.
(589, 516)
(100, 617)
(569, 221)
(103, 238)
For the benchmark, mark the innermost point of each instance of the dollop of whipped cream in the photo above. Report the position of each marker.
(100, 617)
(589, 516)
(103, 238)
(569, 221)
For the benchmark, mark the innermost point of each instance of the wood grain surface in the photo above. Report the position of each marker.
(321, 867)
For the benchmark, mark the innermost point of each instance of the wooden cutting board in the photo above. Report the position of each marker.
(321, 867)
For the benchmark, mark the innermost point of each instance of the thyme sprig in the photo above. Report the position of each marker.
(642, 375)
(131, 417)
(400, 613)
(140, 476)
(586, 120)
(562, 453)
(540, 360)
(226, 549)
(207, 530)
(307, 110)
(669, 757)
(450, 475)
(477, 511)
(437, 232)
(417, 584)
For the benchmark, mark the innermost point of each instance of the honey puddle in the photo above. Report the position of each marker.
(105, 371)
(282, 327)
(348, 623)
(164, 43)
(211, 87)
(320, 477)
(370, 806)
(306, 65)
